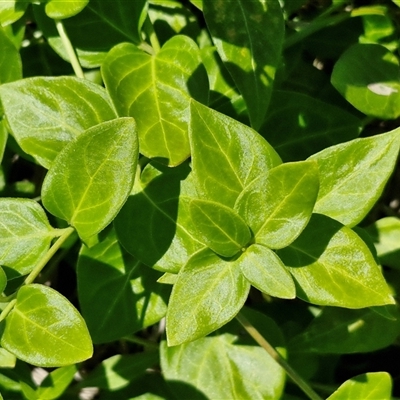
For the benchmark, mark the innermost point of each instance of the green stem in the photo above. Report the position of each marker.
(300, 382)
(143, 342)
(149, 29)
(73, 58)
(7, 310)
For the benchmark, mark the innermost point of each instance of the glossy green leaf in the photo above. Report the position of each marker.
(92, 177)
(118, 371)
(298, 125)
(60, 9)
(12, 10)
(385, 234)
(341, 331)
(10, 60)
(330, 263)
(209, 292)
(367, 76)
(54, 385)
(25, 235)
(52, 333)
(156, 91)
(278, 206)
(117, 294)
(265, 271)
(226, 155)
(250, 52)
(158, 203)
(219, 227)
(369, 386)
(7, 360)
(353, 175)
(56, 111)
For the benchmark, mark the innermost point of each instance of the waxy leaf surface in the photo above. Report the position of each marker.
(266, 272)
(46, 113)
(330, 263)
(156, 91)
(118, 295)
(25, 235)
(51, 332)
(219, 227)
(226, 155)
(92, 177)
(157, 202)
(10, 60)
(277, 206)
(209, 292)
(353, 175)
(367, 75)
(60, 9)
(250, 52)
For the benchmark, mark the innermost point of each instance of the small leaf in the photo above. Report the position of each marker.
(353, 175)
(25, 235)
(369, 386)
(92, 177)
(12, 10)
(266, 272)
(156, 91)
(209, 292)
(219, 227)
(226, 155)
(56, 110)
(10, 60)
(7, 360)
(60, 9)
(54, 385)
(278, 206)
(52, 333)
(250, 52)
(330, 264)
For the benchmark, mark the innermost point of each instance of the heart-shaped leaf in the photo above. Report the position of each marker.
(92, 177)
(51, 332)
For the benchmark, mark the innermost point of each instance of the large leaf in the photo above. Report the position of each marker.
(10, 60)
(156, 91)
(265, 271)
(367, 75)
(92, 177)
(25, 235)
(338, 330)
(298, 125)
(52, 333)
(60, 9)
(219, 227)
(369, 386)
(330, 264)
(250, 52)
(226, 155)
(118, 295)
(353, 175)
(56, 111)
(209, 292)
(278, 205)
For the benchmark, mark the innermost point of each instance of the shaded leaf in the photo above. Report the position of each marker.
(92, 177)
(51, 331)
(60, 9)
(10, 60)
(54, 385)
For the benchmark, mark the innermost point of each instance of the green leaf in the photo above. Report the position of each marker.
(3, 139)
(12, 10)
(353, 175)
(56, 111)
(342, 331)
(250, 52)
(10, 60)
(158, 202)
(25, 236)
(219, 227)
(369, 386)
(60, 9)
(385, 234)
(52, 333)
(265, 271)
(226, 155)
(54, 385)
(92, 177)
(118, 295)
(367, 76)
(118, 371)
(7, 360)
(156, 91)
(209, 292)
(330, 263)
(298, 125)
(277, 206)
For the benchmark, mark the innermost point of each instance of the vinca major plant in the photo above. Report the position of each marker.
(199, 199)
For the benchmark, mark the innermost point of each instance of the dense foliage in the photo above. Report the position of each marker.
(199, 199)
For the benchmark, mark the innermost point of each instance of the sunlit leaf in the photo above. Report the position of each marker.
(54, 385)
(10, 60)
(60, 9)
(12, 10)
